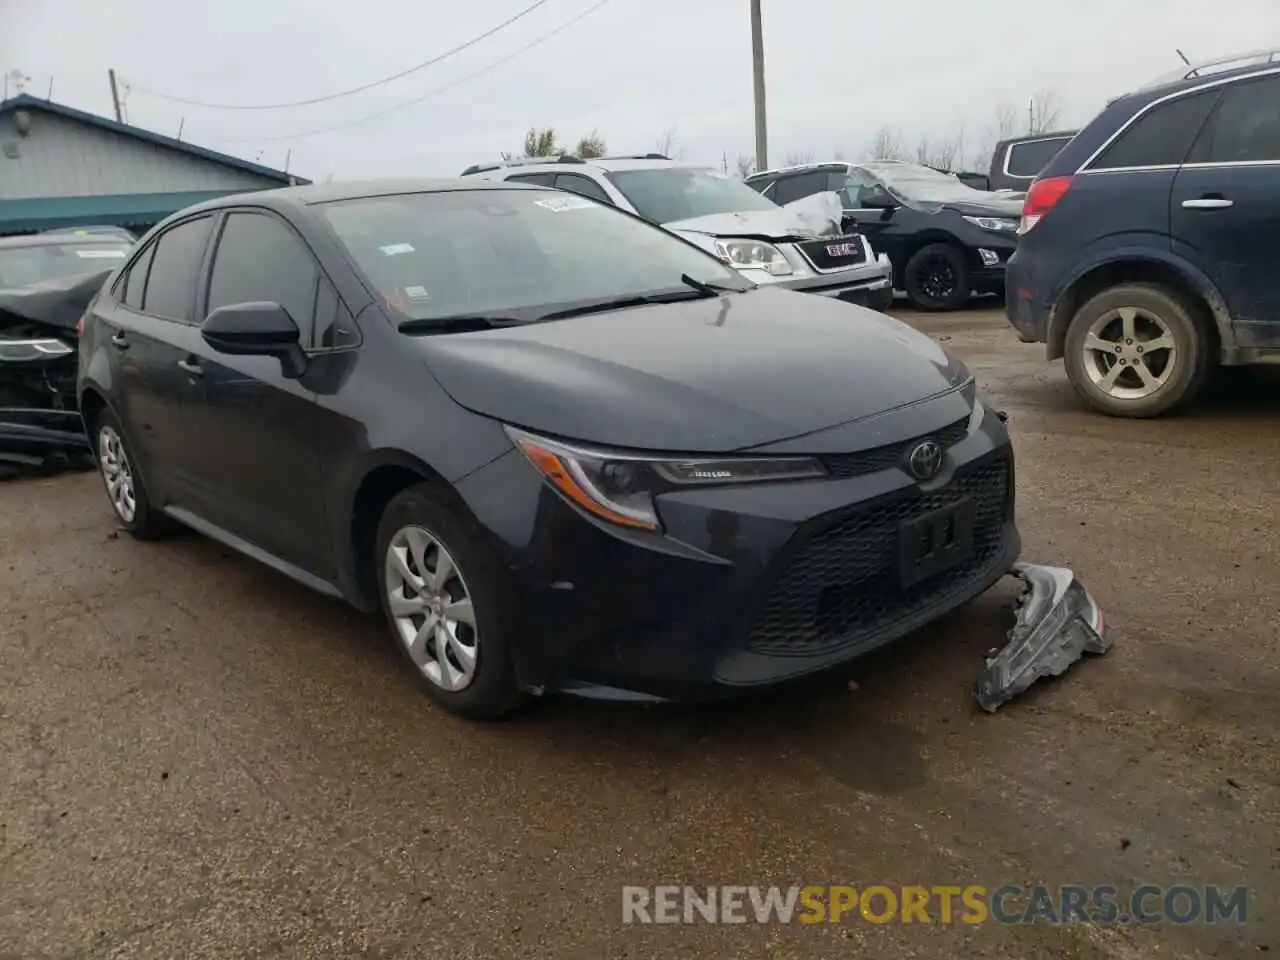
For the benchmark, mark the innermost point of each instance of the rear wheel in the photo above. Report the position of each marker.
(125, 489)
(446, 600)
(937, 278)
(1138, 350)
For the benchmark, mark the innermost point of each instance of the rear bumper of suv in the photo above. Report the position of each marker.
(1026, 312)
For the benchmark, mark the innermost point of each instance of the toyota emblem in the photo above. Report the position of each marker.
(925, 460)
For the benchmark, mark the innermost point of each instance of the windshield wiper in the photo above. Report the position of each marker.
(705, 288)
(457, 323)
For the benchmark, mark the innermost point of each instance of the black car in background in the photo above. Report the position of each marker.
(1017, 161)
(945, 240)
(558, 446)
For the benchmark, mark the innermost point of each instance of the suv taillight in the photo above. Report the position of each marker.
(1041, 198)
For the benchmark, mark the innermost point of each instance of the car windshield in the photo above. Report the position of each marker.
(669, 194)
(517, 253)
(26, 266)
(912, 181)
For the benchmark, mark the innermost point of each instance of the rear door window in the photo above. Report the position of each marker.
(1160, 137)
(541, 179)
(136, 281)
(1246, 126)
(798, 187)
(1028, 158)
(577, 183)
(175, 270)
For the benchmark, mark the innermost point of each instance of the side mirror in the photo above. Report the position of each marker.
(256, 330)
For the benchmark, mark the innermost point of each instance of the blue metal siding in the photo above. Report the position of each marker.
(61, 157)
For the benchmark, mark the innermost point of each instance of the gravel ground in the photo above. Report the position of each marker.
(199, 758)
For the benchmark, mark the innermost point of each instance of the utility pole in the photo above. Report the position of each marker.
(757, 69)
(115, 94)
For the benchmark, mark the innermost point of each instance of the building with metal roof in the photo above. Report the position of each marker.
(62, 167)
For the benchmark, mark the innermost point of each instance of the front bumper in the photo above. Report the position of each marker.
(748, 586)
(35, 438)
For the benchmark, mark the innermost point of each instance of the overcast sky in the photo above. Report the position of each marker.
(837, 70)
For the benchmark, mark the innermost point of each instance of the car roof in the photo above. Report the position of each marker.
(59, 240)
(608, 164)
(315, 193)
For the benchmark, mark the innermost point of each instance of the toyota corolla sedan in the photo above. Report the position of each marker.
(560, 448)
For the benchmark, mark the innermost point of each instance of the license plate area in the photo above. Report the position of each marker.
(935, 541)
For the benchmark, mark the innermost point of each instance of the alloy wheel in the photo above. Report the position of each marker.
(431, 608)
(117, 473)
(1129, 353)
(937, 278)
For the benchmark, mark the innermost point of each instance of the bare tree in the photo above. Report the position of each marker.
(591, 146)
(838, 156)
(668, 145)
(886, 145)
(745, 165)
(798, 158)
(944, 153)
(1044, 110)
(1005, 124)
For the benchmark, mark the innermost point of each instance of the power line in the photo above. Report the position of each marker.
(344, 93)
(434, 93)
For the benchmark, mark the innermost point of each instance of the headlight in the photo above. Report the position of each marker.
(995, 224)
(22, 351)
(753, 255)
(620, 487)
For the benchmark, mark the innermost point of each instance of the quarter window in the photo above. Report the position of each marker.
(1246, 126)
(541, 179)
(577, 183)
(1160, 137)
(259, 258)
(175, 269)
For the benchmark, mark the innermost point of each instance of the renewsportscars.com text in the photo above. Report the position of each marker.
(1006, 904)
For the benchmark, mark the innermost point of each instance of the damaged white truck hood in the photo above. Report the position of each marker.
(815, 216)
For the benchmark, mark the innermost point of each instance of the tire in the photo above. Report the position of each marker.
(919, 284)
(143, 521)
(421, 528)
(1129, 318)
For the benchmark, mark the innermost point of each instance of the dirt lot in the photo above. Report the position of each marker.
(201, 759)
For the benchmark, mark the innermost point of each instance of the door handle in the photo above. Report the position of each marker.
(1208, 203)
(119, 340)
(192, 367)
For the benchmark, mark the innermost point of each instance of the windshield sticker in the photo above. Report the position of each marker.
(101, 254)
(395, 249)
(561, 204)
(417, 293)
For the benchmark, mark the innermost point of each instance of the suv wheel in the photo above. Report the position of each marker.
(125, 489)
(937, 278)
(1137, 350)
(446, 600)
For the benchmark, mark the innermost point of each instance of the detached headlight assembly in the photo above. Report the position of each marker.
(22, 351)
(619, 487)
(994, 224)
(753, 255)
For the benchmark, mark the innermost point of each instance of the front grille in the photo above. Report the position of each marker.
(849, 252)
(838, 585)
(844, 465)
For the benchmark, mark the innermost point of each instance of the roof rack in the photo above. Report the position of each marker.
(518, 162)
(1217, 65)
(636, 156)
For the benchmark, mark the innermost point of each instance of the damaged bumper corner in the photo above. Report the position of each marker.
(1057, 623)
(41, 439)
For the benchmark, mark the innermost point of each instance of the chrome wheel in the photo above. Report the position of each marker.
(1129, 353)
(117, 473)
(431, 608)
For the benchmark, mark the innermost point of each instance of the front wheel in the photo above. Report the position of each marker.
(937, 278)
(1137, 350)
(447, 602)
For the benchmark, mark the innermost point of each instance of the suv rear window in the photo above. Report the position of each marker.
(1160, 137)
(1028, 158)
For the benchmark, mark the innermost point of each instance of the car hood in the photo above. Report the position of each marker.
(703, 376)
(988, 205)
(801, 222)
